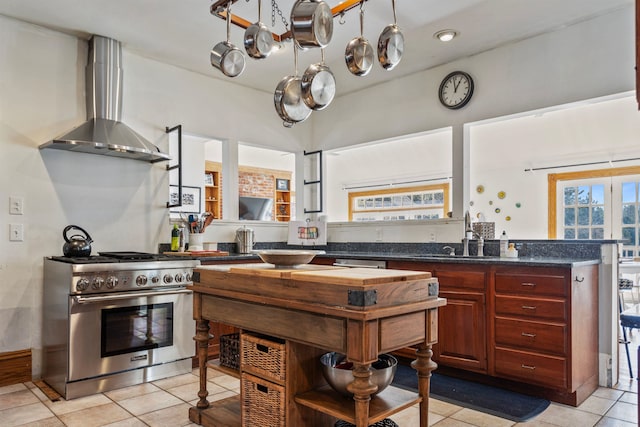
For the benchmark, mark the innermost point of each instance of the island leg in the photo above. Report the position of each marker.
(362, 388)
(202, 339)
(424, 365)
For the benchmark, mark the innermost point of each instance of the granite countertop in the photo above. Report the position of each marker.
(429, 258)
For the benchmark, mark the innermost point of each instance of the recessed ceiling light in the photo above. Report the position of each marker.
(445, 35)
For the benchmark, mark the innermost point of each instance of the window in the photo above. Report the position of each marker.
(630, 215)
(599, 204)
(423, 202)
(584, 208)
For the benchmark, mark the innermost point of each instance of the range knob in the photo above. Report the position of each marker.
(155, 279)
(178, 278)
(167, 278)
(188, 277)
(82, 285)
(112, 282)
(141, 280)
(97, 283)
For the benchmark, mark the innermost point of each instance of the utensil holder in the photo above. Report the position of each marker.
(195, 241)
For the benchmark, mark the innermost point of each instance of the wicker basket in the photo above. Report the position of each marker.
(262, 402)
(263, 356)
(230, 351)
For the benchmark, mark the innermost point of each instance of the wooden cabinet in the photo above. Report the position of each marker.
(545, 328)
(534, 326)
(462, 322)
(212, 193)
(282, 199)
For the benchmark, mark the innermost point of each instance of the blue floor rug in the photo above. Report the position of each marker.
(491, 400)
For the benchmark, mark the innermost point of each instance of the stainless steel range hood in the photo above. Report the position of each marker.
(104, 133)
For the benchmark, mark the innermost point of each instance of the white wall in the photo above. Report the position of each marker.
(121, 203)
(402, 162)
(586, 60)
(501, 151)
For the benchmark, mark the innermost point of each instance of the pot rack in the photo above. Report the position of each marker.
(219, 9)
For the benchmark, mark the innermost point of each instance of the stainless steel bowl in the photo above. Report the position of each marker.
(286, 257)
(382, 374)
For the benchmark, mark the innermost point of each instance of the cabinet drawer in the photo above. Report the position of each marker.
(454, 280)
(552, 309)
(530, 367)
(537, 336)
(531, 284)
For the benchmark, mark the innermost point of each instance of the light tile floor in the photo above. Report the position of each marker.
(166, 402)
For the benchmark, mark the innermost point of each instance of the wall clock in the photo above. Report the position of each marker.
(456, 90)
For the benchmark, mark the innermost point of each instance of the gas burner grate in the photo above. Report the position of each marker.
(113, 257)
(131, 256)
(84, 260)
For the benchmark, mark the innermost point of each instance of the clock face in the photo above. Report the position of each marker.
(456, 90)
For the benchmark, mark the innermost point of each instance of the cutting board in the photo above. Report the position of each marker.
(358, 276)
(269, 270)
(198, 253)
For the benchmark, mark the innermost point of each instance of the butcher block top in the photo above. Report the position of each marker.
(352, 288)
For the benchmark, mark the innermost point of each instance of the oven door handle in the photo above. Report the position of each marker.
(114, 297)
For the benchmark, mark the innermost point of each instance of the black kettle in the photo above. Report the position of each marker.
(76, 245)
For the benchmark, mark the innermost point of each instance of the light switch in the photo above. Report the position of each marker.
(16, 232)
(16, 205)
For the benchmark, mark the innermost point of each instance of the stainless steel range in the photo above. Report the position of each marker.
(116, 319)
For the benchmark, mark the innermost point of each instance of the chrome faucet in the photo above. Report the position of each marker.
(470, 234)
(465, 244)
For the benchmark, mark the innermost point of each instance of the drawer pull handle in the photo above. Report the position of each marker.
(529, 307)
(528, 284)
(528, 367)
(579, 279)
(526, 334)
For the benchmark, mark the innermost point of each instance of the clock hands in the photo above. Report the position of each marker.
(455, 85)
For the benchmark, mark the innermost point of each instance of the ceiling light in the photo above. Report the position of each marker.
(445, 35)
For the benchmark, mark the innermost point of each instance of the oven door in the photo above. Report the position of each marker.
(122, 331)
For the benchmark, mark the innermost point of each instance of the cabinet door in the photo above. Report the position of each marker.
(462, 332)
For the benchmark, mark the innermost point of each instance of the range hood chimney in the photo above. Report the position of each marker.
(103, 133)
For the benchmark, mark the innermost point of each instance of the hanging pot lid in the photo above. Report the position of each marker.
(390, 43)
(225, 56)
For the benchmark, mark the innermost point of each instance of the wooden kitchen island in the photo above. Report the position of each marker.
(315, 309)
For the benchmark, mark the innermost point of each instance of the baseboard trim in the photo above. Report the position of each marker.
(15, 367)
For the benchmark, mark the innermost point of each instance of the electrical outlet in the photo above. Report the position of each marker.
(16, 232)
(16, 205)
(432, 237)
(378, 234)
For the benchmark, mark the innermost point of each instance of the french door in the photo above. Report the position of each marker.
(601, 207)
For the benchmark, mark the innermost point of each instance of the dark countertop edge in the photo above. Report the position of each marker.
(489, 260)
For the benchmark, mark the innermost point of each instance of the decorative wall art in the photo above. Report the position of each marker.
(190, 199)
